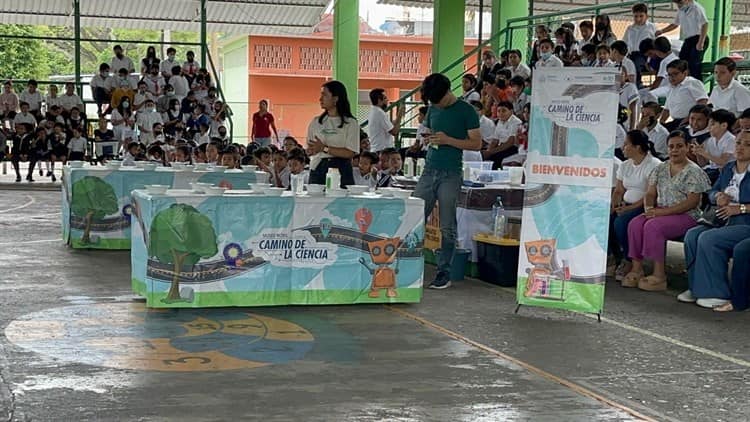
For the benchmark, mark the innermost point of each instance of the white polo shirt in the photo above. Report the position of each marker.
(634, 177)
(629, 67)
(690, 20)
(124, 62)
(553, 61)
(504, 130)
(629, 94)
(34, 100)
(659, 136)
(378, 127)
(725, 145)
(684, 96)
(663, 68)
(521, 70)
(486, 127)
(69, 101)
(634, 34)
(734, 98)
(619, 136)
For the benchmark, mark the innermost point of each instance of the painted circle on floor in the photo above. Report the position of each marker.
(127, 335)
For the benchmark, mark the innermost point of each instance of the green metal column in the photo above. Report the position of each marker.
(346, 47)
(448, 37)
(204, 42)
(719, 14)
(77, 46)
(502, 11)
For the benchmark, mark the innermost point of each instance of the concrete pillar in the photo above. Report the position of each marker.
(346, 47)
(448, 36)
(502, 11)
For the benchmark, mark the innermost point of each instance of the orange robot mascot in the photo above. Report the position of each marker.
(383, 252)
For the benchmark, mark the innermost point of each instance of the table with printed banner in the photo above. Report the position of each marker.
(474, 215)
(96, 208)
(193, 250)
(563, 253)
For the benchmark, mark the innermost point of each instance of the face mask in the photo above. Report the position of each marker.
(601, 26)
(104, 74)
(585, 61)
(170, 57)
(222, 134)
(170, 93)
(176, 108)
(126, 104)
(119, 55)
(152, 109)
(546, 56)
(124, 78)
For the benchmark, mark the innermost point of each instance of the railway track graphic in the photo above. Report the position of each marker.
(111, 224)
(207, 272)
(559, 147)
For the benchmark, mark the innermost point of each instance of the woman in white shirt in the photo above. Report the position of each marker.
(333, 137)
(627, 198)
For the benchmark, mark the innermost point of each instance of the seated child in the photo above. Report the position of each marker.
(385, 177)
(280, 176)
(366, 173)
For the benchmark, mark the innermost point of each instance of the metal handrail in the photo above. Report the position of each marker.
(220, 92)
(582, 10)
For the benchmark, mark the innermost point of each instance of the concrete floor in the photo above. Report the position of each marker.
(73, 349)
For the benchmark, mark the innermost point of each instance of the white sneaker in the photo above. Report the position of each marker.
(686, 296)
(711, 302)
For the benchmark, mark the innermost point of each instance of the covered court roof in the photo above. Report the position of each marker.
(289, 17)
(740, 8)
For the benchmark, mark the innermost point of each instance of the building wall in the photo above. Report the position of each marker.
(235, 84)
(289, 71)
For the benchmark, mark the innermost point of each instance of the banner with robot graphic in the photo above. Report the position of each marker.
(254, 250)
(569, 174)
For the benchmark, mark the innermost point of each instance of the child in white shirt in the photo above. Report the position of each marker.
(365, 173)
(77, 146)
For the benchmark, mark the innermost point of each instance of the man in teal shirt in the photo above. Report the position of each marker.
(454, 127)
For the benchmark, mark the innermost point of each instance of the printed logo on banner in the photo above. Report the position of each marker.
(283, 248)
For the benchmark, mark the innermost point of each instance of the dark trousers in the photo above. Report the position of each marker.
(740, 286)
(497, 158)
(15, 161)
(640, 64)
(690, 53)
(101, 96)
(318, 176)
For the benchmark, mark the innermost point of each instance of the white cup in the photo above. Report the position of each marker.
(516, 175)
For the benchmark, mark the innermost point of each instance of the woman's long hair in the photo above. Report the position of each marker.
(337, 89)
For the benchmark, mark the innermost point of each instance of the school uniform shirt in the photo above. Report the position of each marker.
(202, 139)
(118, 82)
(698, 137)
(284, 178)
(684, 96)
(608, 63)
(77, 144)
(69, 101)
(519, 103)
(619, 136)
(99, 81)
(180, 85)
(51, 102)
(124, 62)
(378, 127)
(634, 34)
(334, 136)
(363, 179)
(628, 94)
(128, 159)
(166, 65)
(521, 70)
(724, 145)
(154, 84)
(472, 156)
(659, 136)
(663, 69)
(486, 127)
(191, 68)
(147, 120)
(734, 98)
(24, 118)
(504, 130)
(629, 67)
(8, 102)
(634, 177)
(470, 96)
(385, 178)
(140, 99)
(34, 100)
(690, 19)
(553, 61)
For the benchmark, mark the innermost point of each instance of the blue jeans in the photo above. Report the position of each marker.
(620, 228)
(741, 276)
(444, 187)
(707, 252)
(263, 142)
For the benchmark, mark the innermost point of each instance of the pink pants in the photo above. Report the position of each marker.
(647, 238)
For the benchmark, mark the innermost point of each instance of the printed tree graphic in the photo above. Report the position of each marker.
(92, 198)
(181, 235)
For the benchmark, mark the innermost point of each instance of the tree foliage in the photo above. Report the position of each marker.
(182, 230)
(93, 195)
(40, 59)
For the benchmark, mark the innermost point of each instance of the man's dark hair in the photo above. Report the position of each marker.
(700, 108)
(435, 87)
(646, 45)
(620, 46)
(640, 8)
(376, 95)
(727, 62)
(723, 116)
(662, 45)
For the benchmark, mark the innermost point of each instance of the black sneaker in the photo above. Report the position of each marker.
(41, 173)
(54, 179)
(441, 281)
(18, 179)
(49, 173)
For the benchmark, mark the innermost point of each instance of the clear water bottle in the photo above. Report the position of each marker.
(498, 218)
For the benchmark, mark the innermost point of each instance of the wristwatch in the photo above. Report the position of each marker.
(325, 149)
(743, 209)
